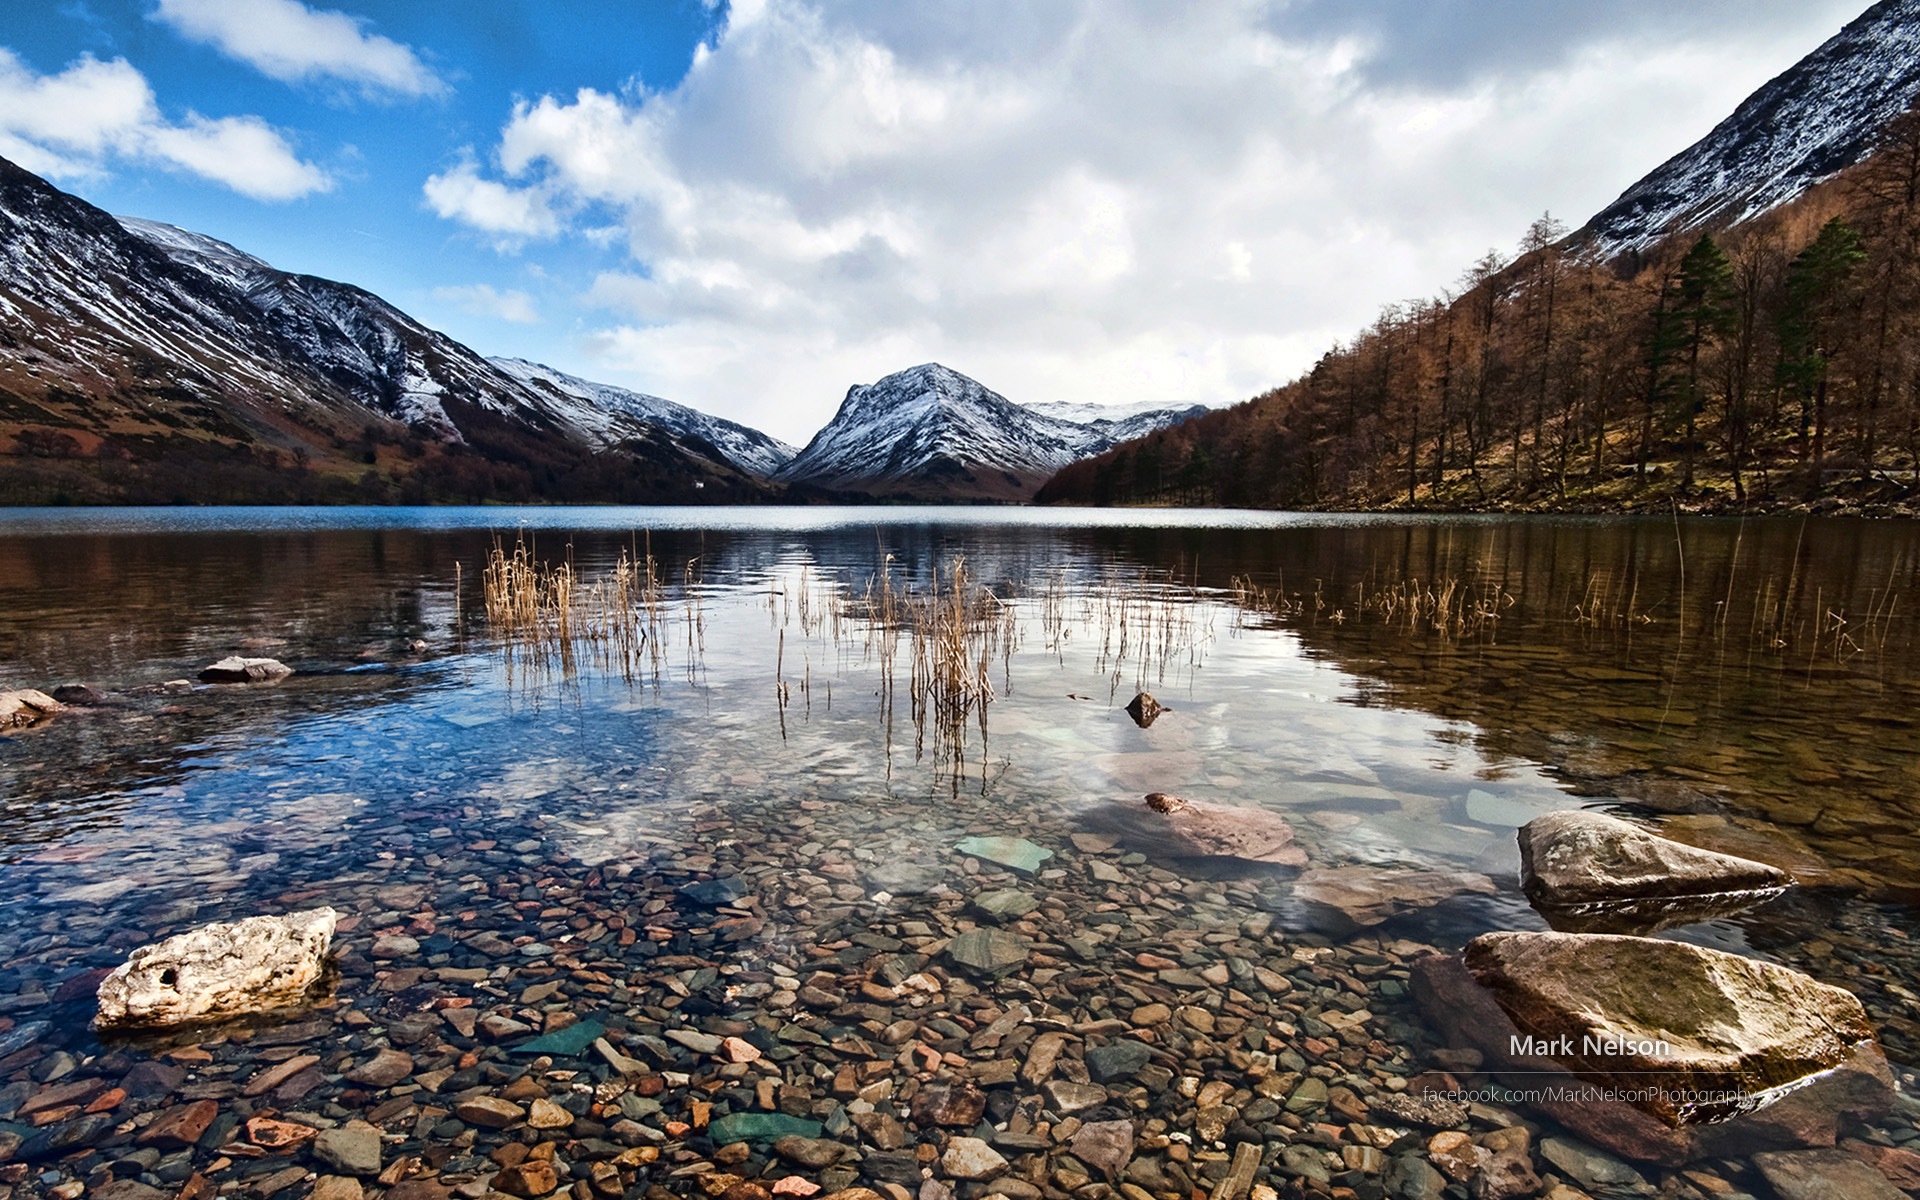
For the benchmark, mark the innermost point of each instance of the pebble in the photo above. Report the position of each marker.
(971, 1158)
(351, 1149)
(490, 1112)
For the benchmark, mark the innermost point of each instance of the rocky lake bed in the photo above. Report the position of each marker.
(696, 938)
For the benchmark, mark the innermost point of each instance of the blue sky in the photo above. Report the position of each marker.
(750, 207)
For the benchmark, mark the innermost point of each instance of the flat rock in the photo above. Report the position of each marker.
(337, 1187)
(989, 951)
(352, 1149)
(127, 1189)
(812, 1153)
(1489, 809)
(714, 892)
(180, 1127)
(1016, 853)
(489, 1112)
(394, 945)
(1349, 898)
(1580, 858)
(1067, 1097)
(1120, 1060)
(945, 1102)
(1823, 1175)
(760, 1127)
(1105, 1145)
(220, 970)
(235, 669)
(572, 1042)
(696, 1041)
(1202, 829)
(1005, 904)
(384, 1069)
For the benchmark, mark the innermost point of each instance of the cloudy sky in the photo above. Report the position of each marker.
(749, 206)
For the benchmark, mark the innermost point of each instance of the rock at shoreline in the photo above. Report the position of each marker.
(1576, 859)
(1350, 898)
(220, 970)
(26, 706)
(1144, 709)
(235, 669)
(1201, 829)
(1796, 1055)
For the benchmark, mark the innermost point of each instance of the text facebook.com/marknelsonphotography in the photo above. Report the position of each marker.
(1680, 1099)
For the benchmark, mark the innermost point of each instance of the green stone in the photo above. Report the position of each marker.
(1007, 904)
(1489, 809)
(760, 1127)
(1309, 1097)
(1018, 853)
(570, 1042)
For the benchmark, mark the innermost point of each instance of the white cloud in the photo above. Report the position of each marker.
(485, 300)
(512, 214)
(1095, 200)
(245, 153)
(288, 41)
(76, 123)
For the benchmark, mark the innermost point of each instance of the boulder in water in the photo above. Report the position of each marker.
(222, 970)
(1200, 829)
(1581, 858)
(26, 706)
(1660, 1051)
(1144, 709)
(235, 669)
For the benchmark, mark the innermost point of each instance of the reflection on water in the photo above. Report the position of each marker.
(1750, 684)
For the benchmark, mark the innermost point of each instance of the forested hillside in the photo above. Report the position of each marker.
(1770, 364)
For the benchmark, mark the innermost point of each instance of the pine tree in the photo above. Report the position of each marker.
(1703, 309)
(1816, 291)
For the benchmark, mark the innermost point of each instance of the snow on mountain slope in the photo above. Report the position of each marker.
(599, 407)
(931, 432)
(1817, 118)
(386, 360)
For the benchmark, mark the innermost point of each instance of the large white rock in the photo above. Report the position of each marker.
(219, 970)
(26, 707)
(235, 669)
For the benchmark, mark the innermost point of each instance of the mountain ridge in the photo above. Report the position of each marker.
(1804, 126)
(1734, 334)
(142, 361)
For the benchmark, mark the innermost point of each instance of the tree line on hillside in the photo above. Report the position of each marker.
(1776, 361)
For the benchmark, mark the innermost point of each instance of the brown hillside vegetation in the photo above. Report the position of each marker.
(1768, 365)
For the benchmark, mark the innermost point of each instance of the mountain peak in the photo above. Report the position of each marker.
(931, 432)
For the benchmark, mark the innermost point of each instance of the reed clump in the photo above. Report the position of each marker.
(547, 617)
(1449, 607)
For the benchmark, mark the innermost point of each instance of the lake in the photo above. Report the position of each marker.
(514, 821)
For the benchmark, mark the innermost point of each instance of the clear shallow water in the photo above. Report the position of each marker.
(1765, 700)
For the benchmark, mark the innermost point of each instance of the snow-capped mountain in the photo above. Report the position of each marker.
(1815, 119)
(930, 432)
(131, 341)
(606, 409)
